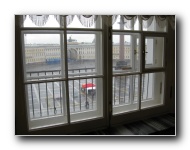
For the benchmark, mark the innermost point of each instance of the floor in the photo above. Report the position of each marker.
(162, 125)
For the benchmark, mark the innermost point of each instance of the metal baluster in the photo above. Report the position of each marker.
(92, 93)
(32, 101)
(143, 76)
(55, 111)
(39, 99)
(80, 94)
(129, 91)
(125, 89)
(133, 77)
(47, 100)
(147, 87)
(114, 89)
(73, 98)
(119, 88)
(60, 96)
(87, 104)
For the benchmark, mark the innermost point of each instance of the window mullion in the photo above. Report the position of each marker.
(66, 71)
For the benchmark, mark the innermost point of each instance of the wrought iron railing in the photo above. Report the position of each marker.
(47, 98)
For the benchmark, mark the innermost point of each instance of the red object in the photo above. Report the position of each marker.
(88, 85)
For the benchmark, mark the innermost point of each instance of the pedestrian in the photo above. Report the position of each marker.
(87, 105)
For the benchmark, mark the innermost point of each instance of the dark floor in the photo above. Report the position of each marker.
(162, 125)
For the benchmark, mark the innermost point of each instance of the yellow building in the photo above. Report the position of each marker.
(43, 53)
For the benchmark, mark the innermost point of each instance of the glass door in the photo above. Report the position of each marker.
(153, 77)
(79, 78)
(63, 75)
(126, 69)
(138, 70)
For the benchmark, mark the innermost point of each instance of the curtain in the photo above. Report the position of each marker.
(114, 18)
(87, 20)
(60, 19)
(161, 21)
(146, 20)
(39, 20)
(129, 21)
(171, 19)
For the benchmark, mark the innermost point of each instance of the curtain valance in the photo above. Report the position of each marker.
(39, 20)
(89, 20)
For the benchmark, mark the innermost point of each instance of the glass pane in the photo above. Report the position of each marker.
(41, 21)
(85, 97)
(76, 23)
(125, 93)
(84, 53)
(152, 89)
(122, 24)
(154, 52)
(125, 53)
(154, 26)
(46, 100)
(42, 55)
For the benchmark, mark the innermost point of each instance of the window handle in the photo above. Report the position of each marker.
(145, 52)
(135, 51)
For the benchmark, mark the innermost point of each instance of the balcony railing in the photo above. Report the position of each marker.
(47, 98)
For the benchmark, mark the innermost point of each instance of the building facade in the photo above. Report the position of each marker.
(51, 53)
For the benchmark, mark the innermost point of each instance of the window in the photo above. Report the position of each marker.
(56, 83)
(72, 63)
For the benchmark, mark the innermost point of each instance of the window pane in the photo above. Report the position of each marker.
(154, 52)
(125, 93)
(85, 97)
(46, 100)
(43, 56)
(84, 53)
(152, 89)
(125, 53)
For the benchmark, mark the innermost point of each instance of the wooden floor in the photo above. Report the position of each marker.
(162, 125)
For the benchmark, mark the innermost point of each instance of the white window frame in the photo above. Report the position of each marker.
(107, 119)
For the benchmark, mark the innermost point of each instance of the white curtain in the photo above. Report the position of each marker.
(146, 20)
(129, 21)
(114, 18)
(89, 20)
(60, 19)
(161, 21)
(39, 20)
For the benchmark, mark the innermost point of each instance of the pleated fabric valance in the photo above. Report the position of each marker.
(89, 20)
